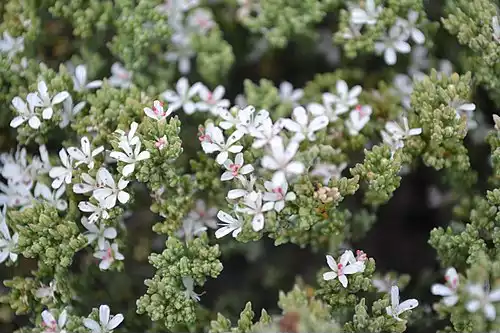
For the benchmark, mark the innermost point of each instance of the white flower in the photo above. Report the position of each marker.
(70, 111)
(89, 184)
(235, 169)
(62, 173)
(131, 157)
(254, 206)
(367, 15)
(288, 94)
(98, 211)
(52, 197)
(106, 323)
(495, 25)
(80, 79)
(202, 214)
(15, 195)
(409, 26)
(51, 325)
(347, 265)
(393, 141)
(200, 20)
(108, 255)
(212, 101)
(99, 233)
(190, 228)
(448, 291)
(277, 192)
(482, 298)
(188, 283)
(157, 112)
(44, 100)
(303, 126)
(7, 243)
(466, 110)
(396, 308)
(129, 137)
(317, 109)
(344, 98)
(248, 185)
(230, 118)
(265, 133)
(281, 159)
(181, 53)
(403, 87)
(394, 42)
(249, 121)
(228, 225)
(85, 155)
(213, 141)
(358, 118)
(400, 133)
(26, 112)
(327, 171)
(111, 191)
(120, 77)
(384, 284)
(11, 45)
(182, 97)
(47, 291)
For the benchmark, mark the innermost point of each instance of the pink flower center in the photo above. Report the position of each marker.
(109, 254)
(279, 192)
(360, 110)
(203, 22)
(452, 282)
(158, 112)
(340, 268)
(202, 136)
(123, 75)
(235, 168)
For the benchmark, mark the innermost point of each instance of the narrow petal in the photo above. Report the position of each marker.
(104, 315)
(343, 280)
(407, 305)
(331, 263)
(115, 321)
(329, 276)
(60, 97)
(441, 290)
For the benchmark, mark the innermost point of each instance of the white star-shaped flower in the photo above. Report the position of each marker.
(396, 308)
(182, 97)
(228, 225)
(85, 154)
(347, 265)
(213, 141)
(448, 291)
(106, 323)
(253, 206)
(236, 168)
(304, 126)
(110, 192)
(281, 160)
